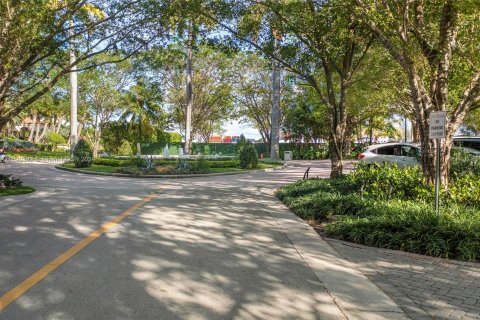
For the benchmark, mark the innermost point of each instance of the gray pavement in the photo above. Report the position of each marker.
(205, 248)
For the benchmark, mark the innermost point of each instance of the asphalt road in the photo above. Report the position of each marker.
(200, 248)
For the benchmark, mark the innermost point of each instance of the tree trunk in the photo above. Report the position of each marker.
(32, 130)
(189, 88)
(275, 122)
(79, 131)
(335, 151)
(37, 131)
(73, 91)
(59, 124)
(44, 131)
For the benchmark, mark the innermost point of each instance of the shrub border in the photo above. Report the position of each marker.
(167, 176)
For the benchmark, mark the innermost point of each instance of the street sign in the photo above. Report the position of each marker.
(437, 121)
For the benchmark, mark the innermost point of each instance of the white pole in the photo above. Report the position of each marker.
(73, 91)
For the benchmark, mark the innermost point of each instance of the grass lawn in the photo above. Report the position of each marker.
(112, 169)
(38, 155)
(15, 191)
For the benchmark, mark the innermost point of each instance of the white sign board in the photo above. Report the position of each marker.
(437, 121)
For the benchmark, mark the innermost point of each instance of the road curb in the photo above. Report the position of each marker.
(163, 176)
(14, 199)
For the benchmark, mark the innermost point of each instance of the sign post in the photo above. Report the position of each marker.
(436, 130)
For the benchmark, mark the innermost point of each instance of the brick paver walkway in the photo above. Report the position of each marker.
(425, 287)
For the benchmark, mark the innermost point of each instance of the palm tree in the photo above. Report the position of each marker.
(143, 112)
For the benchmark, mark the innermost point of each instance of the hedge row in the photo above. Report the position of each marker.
(131, 162)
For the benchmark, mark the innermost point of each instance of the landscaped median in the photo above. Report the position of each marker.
(170, 168)
(9, 186)
(392, 208)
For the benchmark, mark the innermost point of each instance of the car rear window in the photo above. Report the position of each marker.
(388, 151)
(473, 144)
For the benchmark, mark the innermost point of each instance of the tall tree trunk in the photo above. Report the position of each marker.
(32, 130)
(59, 124)
(79, 131)
(276, 87)
(189, 89)
(44, 131)
(37, 131)
(73, 91)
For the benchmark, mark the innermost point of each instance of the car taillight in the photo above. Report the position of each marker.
(361, 156)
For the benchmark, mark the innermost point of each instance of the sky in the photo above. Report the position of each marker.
(235, 128)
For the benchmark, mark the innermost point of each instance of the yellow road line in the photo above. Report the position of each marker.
(23, 287)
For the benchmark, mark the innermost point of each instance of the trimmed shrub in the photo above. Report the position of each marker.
(55, 138)
(125, 149)
(240, 144)
(201, 166)
(248, 156)
(82, 154)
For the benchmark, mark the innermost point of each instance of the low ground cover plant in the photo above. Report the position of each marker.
(390, 207)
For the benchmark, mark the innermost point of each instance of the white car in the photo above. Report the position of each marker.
(401, 154)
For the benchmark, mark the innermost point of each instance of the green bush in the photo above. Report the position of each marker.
(113, 162)
(201, 166)
(463, 163)
(414, 227)
(55, 138)
(183, 167)
(9, 181)
(248, 156)
(125, 149)
(240, 144)
(82, 154)
(389, 181)
(384, 207)
(464, 189)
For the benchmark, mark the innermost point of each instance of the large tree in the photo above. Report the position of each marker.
(34, 37)
(322, 45)
(436, 45)
(212, 101)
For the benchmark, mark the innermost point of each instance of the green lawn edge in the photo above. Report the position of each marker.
(16, 191)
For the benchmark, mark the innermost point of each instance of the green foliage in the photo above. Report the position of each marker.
(183, 167)
(9, 181)
(463, 163)
(240, 144)
(399, 224)
(114, 162)
(414, 227)
(394, 182)
(82, 154)
(387, 207)
(55, 138)
(201, 166)
(169, 137)
(248, 156)
(464, 190)
(125, 149)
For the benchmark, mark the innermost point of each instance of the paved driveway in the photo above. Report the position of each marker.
(198, 248)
